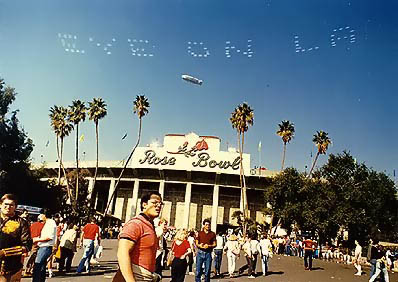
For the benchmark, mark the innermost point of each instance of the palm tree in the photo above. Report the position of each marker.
(62, 128)
(96, 111)
(77, 114)
(140, 107)
(286, 131)
(322, 141)
(54, 121)
(241, 118)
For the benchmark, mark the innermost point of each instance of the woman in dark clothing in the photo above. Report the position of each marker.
(180, 248)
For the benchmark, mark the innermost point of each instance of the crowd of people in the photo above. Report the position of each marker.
(147, 246)
(34, 249)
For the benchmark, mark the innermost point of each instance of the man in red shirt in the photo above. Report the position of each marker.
(89, 234)
(138, 243)
(309, 246)
(205, 242)
(35, 230)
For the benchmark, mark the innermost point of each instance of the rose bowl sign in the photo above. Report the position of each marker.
(190, 156)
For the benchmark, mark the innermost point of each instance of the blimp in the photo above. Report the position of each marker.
(192, 79)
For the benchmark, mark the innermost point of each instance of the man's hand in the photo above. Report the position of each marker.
(2, 254)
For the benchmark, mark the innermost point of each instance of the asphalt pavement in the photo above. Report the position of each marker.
(282, 269)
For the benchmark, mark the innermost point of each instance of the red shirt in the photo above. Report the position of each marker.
(206, 238)
(90, 230)
(35, 229)
(180, 249)
(141, 231)
(308, 244)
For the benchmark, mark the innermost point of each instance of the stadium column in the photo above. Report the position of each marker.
(214, 209)
(111, 190)
(135, 197)
(161, 188)
(187, 205)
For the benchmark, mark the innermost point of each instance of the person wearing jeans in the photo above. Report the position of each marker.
(45, 242)
(39, 269)
(90, 233)
(205, 242)
(218, 253)
(87, 254)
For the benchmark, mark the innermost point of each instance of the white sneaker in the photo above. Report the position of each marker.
(251, 277)
(191, 273)
(50, 273)
(358, 274)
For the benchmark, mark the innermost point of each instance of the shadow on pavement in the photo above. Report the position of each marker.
(275, 273)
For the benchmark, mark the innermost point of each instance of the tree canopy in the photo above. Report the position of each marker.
(342, 195)
(15, 149)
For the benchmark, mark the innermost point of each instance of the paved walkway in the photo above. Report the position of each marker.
(283, 269)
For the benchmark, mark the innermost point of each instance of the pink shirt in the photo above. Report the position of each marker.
(142, 233)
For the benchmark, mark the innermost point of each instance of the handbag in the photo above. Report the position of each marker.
(170, 256)
(118, 277)
(58, 253)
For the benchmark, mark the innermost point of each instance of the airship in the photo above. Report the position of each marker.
(192, 79)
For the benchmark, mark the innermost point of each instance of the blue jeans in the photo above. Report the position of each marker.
(217, 261)
(39, 269)
(372, 267)
(88, 253)
(288, 251)
(203, 258)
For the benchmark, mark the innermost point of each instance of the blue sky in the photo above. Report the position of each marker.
(348, 90)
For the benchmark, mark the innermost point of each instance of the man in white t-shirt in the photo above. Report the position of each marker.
(45, 242)
(265, 250)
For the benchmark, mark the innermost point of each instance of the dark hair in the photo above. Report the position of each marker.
(92, 219)
(11, 197)
(206, 220)
(145, 198)
(47, 213)
(71, 225)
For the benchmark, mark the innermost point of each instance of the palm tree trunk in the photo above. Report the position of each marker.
(77, 161)
(59, 161)
(283, 156)
(245, 202)
(96, 162)
(63, 169)
(124, 167)
(313, 164)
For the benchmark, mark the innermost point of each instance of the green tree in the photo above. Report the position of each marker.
(322, 142)
(77, 114)
(284, 196)
(140, 107)
(96, 111)
(62, 128)
(241, 118)
(15, 146)
(365, 204)
(286, 132)
(15, 149)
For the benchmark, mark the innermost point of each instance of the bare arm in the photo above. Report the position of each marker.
(123, 257)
